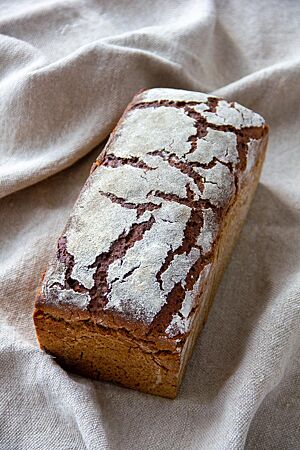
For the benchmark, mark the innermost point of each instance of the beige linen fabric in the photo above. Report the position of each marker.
(67, 71)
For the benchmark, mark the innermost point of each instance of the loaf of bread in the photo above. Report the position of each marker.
(139, 261)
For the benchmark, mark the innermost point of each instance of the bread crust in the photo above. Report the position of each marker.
(212, 165)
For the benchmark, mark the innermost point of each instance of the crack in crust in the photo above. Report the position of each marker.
(176, 297)
(140, 208)
(192, 230)
(184, 167)
(212, 103)
(117, 250)
(68, 260)
(243, 135)
(115, 161)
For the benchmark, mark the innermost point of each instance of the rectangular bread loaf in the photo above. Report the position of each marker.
(142, 254)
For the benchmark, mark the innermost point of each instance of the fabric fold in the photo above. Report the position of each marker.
(67, 71)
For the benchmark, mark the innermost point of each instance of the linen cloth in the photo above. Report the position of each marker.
(67, 71)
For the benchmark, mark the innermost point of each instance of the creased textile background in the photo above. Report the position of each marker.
(67, 71)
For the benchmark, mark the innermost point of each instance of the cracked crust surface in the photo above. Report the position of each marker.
(141, 241)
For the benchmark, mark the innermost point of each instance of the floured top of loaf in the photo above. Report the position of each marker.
(141, 236)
